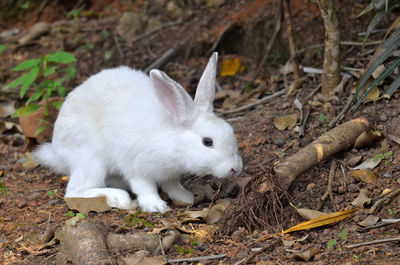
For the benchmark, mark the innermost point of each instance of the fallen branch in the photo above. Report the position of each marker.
(155, 30)
(326, 145)
(258, 102)
(329, 188)
(374, 242)
(197, 258)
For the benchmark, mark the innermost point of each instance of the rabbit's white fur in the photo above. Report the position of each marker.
(147, 130)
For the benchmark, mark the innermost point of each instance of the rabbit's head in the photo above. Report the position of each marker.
(206, 143)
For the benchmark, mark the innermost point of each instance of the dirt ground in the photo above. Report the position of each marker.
(31, 199)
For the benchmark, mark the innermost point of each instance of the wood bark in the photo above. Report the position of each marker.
(329, 143)
(331, 66)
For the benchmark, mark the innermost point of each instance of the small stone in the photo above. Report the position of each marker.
(53, 202)
(353, 188)
(279, 142)
(341, 189)
(380, 127)
(383, 117)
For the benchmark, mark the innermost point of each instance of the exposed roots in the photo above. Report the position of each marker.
(259, 206)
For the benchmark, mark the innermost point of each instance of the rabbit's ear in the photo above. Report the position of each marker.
(205, 92)
(172, 96)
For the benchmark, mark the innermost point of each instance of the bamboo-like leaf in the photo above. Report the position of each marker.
(326, 219)
(30, 78)
(61, 57)
(378, 17)
(382, 76)
(26, 65)
(366, 10)
(26, 110)
(389, 46)
(393, 87)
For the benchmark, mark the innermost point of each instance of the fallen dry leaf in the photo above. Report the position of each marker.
(286, 122)
(307, 255)
(370, 220)
(384, 192)
(370, 163)
(295, 85)
(231, 67)
(362, 199)
(30, 162)
(353, 161)
(325, 219)
(364, 175)
(367, 138)
(85, 205)
(308, 214)
(289, 243)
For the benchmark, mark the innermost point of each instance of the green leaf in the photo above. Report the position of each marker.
(61, 57)
(30, 78)
(107, 55)
(332, 243)
(70, 214)
(382, 76)
(61, 90)
(26, 65)
(81, 215)
(38, 93)
(389, 46)
(372, 24)
(26, 110)
(40, 130)
(2, 48)
(393, 87)
(57, 104)
(366, 10)
(17, 82)
(49, 71)
(343, 234)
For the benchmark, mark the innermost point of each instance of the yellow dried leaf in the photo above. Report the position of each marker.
(384, 192)
(286, 122)
(85, 205)
(295, 85)
(64, 178)
(325, 219)
(231, 66)
(364, 175)
(1, 173)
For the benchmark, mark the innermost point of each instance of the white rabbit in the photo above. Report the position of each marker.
(149, 131)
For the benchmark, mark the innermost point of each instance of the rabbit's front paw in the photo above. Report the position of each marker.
(152, 204)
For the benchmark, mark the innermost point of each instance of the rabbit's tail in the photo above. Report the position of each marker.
(47, 156)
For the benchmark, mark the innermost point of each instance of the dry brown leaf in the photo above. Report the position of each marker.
(372, 96)
(370, 220)
(308, 214)
(289, 243)
(325, 219)
(351, 162)
(85, 205)
(310, 187)
(367, 138)
(364, 175)
(286, 122)
(362, 199)
(295, 85)
(384, 192)
(242, 181)
(307, 255)
(30, 162)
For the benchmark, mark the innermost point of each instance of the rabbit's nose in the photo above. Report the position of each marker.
(234, 172)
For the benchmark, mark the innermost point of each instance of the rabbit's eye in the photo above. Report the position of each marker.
(207, 141)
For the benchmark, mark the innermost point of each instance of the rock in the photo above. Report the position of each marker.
(131, 24)
(383, 116)
(353, 188)
(279, 142)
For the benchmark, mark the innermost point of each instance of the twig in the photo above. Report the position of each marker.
(278, 18)
(198, 258)
(344, 176)
(121, 55)
(303, 124)
(341, 114)
(313, 92)
(261, 250)
(162, 248)
(374, 242)
(329, 188)
(292, 45)
(258, 102)
(155, 30)
(217, 41)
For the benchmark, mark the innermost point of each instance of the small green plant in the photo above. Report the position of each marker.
(3, 188)
(342, 235)
(72, 214)
(2, 48)
(26, 5)
(52, 193)
(134, 219)
(390, 212)
(356, 258)
(182, 250)
(323, 119)
(41, 77)
(75, 13)
(383, 156)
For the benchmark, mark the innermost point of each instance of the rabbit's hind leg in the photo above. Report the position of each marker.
(88, 180)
